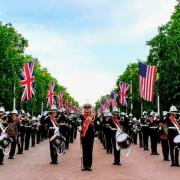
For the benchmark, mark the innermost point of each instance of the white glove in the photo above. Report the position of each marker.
(79, 128)
(56, 130)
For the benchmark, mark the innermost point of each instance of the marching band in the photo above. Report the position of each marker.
(117, 131)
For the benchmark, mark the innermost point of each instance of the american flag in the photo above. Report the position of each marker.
(113, 99)
(27, 79)
(51, 94)
(60, 100)
(123, 89)
(147, 78)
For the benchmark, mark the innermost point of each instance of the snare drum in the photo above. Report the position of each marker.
(177, 140)
(4, 141)
(123, 140)
(57, 140)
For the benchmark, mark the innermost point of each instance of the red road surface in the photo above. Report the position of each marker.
(34, 165)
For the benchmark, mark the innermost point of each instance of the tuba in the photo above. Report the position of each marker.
(5, 141)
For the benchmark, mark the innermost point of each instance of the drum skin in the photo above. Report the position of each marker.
(123, 140)
(177, 140)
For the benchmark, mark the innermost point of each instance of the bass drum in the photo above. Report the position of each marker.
(123, 140)
(177, 140)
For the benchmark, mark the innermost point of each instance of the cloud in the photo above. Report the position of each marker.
(73, 56)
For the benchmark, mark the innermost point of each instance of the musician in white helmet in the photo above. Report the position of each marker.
(115, 124)
(53, 126)
(173, 131)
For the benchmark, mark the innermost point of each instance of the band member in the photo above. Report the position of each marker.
(4, 124)
(153, 131)
(53, 126)
(172, 133)
(107, 131)
(87, 136)
(163, 130)
(28, 131)
(12, 131)
(145, 130)
(21, 134)
(114, 124)
(33, 132)
(64, 130)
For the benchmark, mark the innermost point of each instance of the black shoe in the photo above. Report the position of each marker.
(173, 164)
(10, 157)
(1, 163)
(83, 169)
(152, 154)
(53, 162)
(166, 159)
(156, 153)
(177, 164)
(89, 169)
(117, 163)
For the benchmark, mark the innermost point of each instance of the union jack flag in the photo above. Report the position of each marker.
(123, 89)
(27, 79)
(108, 102)
(60, 100)
(113, 99)
(147, 79)
(51, 94)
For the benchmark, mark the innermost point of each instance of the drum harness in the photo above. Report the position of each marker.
(125, 152)
(4, 135)
(60, 150)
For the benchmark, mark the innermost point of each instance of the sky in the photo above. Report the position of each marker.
(87, 44)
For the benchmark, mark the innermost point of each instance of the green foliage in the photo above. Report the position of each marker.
(165, 54)
(12, 59)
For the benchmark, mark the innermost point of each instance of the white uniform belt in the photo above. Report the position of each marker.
(153, 127)
(172, 127)
(51, 127)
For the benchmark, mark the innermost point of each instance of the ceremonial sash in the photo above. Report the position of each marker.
(54, 122)
(174, 121)
(116, 122)
(86, 124)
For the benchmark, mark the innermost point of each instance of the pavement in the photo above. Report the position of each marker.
(139, 165)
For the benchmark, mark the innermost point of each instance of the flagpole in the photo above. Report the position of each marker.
(158, 104)
(14, 99)
(131, 90)
(141, 109)
(42, 107)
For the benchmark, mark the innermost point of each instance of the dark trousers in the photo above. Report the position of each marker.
(67, 137)
(75, 132)
(13, 147)
(33, 139)
(174, 152)
(71, 134)
(87, 148)
(21, 144)
(140, 139)
(1, 156)
(108, 141)
(145, 133)
(27, 140)
(154, 140)
(53, 153)
(134, 138)
(116, 153)
(165, 149)
(38, 135)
